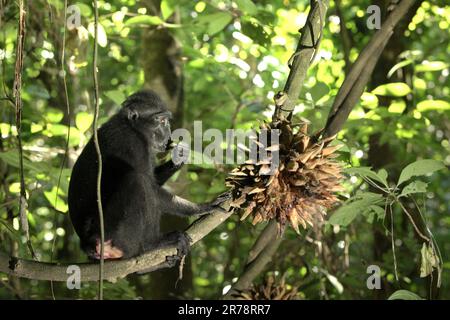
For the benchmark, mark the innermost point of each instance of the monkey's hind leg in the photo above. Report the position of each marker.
(180, 240)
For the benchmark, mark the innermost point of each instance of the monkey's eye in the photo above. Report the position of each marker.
(164, 121)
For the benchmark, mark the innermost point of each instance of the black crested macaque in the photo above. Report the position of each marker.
(132, 195)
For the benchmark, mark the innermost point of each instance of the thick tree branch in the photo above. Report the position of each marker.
(267, 243)
(302, 58)
(259, 256)
(112, 269)
(354, 84)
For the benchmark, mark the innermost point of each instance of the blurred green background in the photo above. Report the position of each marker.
(221, 62)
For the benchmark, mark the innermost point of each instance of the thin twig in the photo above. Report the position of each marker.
(66, 150)
(99, 155)
(18, 103)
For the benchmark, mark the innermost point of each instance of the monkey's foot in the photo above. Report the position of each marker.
(183, 243)
(224, 197)
(109, 251)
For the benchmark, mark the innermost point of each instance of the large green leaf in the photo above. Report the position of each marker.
(420, 168)
(367, 172)
(218, 21)
(350, 210)
(404, 295)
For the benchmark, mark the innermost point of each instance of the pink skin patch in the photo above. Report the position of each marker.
(109, 251)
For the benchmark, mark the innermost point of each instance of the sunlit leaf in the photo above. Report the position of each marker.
(144, 19)
(53, 115)
(394, 89)
(369, 100)
(83, 121)
(431, 66)
(397, 106)
(115, 95)
(427, 105)
(335, 282)
(56, 201)
(167, 8)
(102, 39)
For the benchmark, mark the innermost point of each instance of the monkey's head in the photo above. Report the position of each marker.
(147, 113)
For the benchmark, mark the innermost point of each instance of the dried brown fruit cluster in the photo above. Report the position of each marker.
(269, 290)
(299, 190)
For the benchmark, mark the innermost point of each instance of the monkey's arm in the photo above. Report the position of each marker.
(164, 171)
(176, 205)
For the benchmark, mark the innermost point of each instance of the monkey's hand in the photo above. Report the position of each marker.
(180, 153)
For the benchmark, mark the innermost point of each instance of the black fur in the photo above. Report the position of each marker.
(132, 197)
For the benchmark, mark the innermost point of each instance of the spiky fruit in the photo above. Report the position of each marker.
(299, 191)
(271, 289)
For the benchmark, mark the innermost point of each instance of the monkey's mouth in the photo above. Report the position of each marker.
(163, 146)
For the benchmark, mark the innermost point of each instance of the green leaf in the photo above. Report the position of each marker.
(369, 100)
(115, 95)
(56, 130)
(420, 168)
(53, 115)
(144, 19)
(85, 9)
(319, 90)
(335, 282)
(431, 66)
(246, 6)
(215, 22)
(102, 39)
(438, 105)
(397, 106)
(399, 65)
(350, 210)
(378, 211)
(53, 199)
(394, 89)
(414, 187)
(404, 295)
(12, 158)
(167, 8)
(366, 172)
(83, 121)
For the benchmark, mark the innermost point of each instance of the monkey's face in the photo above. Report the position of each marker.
(160, 128)
(147, 113)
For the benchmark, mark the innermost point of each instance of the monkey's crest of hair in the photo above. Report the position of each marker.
(144, 98)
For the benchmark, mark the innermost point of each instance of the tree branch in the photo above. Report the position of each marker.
(310, 37)
(267, 242)
(354, 84)
(113, 269)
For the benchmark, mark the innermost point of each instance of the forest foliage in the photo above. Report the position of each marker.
(233, 57)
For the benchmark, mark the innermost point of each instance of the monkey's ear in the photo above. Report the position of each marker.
(133, 115)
